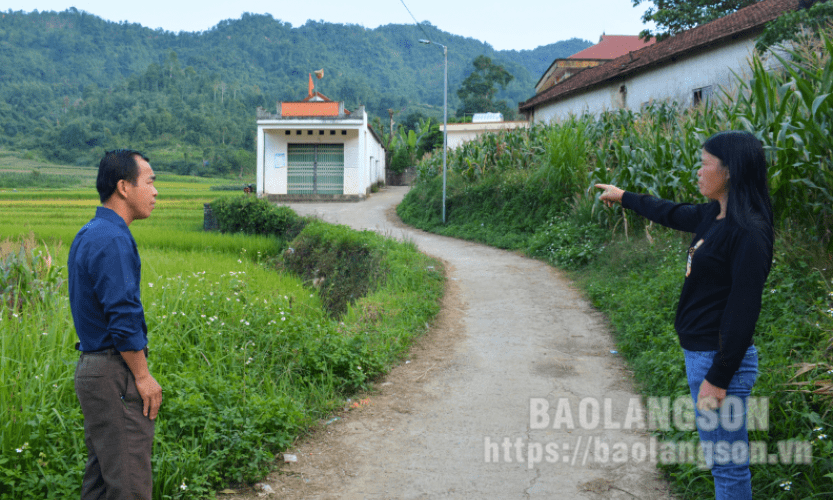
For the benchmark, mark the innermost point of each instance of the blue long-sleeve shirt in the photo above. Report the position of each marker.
(721, 297)
(104, 285)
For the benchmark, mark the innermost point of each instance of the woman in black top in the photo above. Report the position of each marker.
(728, 263)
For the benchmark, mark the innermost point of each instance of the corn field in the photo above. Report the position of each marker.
(657, 150)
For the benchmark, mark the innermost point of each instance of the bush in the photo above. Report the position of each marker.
(564, 243)
(251, 215)
(400, 160)
(344, 264)
(26, 277)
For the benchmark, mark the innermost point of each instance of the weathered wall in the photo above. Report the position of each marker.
(673, 81)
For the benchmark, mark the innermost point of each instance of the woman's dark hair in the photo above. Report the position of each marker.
(115, 166)
(749, 205)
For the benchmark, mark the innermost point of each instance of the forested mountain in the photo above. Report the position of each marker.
(72, 84)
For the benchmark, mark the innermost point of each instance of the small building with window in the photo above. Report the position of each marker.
(688, 68)
(315, 149)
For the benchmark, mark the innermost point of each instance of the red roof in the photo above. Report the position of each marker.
(612, 46)
(745, 21)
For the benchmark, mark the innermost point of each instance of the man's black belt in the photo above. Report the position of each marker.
(111, 351)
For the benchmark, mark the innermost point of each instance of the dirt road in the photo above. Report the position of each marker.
(465, 417)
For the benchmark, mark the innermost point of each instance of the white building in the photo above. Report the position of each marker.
(315, 149)
(460, 133)
(686, 68)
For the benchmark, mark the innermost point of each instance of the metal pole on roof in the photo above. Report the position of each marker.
(445, 116)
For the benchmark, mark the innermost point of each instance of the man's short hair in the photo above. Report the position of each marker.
(117, 165)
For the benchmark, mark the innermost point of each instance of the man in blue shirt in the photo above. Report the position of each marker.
(118, 396)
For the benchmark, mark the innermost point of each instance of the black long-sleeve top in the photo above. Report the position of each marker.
(721, 297)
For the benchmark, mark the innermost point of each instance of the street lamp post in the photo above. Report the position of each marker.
(445, 115)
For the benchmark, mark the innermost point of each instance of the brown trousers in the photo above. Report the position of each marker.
(119, 438)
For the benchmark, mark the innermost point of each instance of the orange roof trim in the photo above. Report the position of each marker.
(309, 109)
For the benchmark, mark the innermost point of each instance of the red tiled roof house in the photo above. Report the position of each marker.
(686, 68)
(609, 47)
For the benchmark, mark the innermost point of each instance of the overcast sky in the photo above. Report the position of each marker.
(505, 24)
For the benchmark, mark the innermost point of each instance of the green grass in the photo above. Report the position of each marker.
(637, 285)
(247, 355)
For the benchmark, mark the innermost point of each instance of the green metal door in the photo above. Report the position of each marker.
(315, 169)
(329, 168)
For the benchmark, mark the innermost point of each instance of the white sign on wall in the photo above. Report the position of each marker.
(280, 160)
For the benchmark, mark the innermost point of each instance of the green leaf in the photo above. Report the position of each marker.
(817, 102)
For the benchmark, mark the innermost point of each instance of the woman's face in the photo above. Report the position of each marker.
(714, 178)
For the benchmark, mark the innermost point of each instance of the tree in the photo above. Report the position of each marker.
(478, 90)
(811, 15)
(675, 16)
(412, 121)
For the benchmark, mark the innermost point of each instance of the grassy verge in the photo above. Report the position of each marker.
(248, 355)
(637, 283)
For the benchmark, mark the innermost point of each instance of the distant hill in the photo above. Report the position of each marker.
(73, 83)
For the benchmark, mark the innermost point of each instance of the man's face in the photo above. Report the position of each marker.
(141, 197)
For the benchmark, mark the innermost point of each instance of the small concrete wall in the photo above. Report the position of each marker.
(406, 178)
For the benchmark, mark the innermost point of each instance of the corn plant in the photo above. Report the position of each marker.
(790, 112)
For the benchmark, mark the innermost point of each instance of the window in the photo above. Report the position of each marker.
(332, 132)
(287, 132)
(701, 96)
(343, 132)
(623, 97)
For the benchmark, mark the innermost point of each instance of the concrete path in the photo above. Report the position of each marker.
(514, 394)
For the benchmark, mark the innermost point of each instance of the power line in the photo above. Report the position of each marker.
(415, 20)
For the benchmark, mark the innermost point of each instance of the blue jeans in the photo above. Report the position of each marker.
(723, 434)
